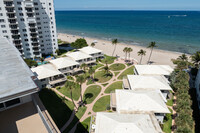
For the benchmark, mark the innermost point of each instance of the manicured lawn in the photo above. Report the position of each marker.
(83, 126)
(101, 104)
(90, 82)
(77, 117)
(70, 78)
(113, 86)
(97, 66)
(105, 84)
(91, 93)
(170, 102)
(167, 123)
(59, 110)
(109, 59)
(116, 73)
(117, 67)
(126, 72)
(102, 77)
(75, 92)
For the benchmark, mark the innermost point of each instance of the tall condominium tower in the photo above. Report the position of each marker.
(30, 25)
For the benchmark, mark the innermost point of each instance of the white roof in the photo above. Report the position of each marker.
(63, 62)
(45, 71)
(15, 75)
(126, 123)
(128, 101)
(139, 82)
(90, 50)
(153, 69)
(78, 55)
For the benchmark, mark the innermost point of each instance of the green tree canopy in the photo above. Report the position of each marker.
(30, 62)
(79, 43)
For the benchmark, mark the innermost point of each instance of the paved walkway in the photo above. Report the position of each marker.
(101, 94)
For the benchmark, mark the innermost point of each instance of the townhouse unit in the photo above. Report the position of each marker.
(81, 57)
(66, 65)
(153, 70)
(124, 123)
(48, 76)
(140, 82)
(20, 109)
(95, 53)
(30, 26)
(128, 102)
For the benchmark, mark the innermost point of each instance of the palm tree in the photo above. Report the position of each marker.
(114, 42)
(152, 45)
(92, 44)
(183, 57)
(125, 51)
(83, 66)
(141, 53)
(91, 71)
(129, 51)
(196, 58)
(106, 68)
(80, 79)
(70, 85)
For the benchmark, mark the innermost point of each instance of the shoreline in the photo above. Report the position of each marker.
(159, 56)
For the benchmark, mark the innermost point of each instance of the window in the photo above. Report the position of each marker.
(36, 8)
(1, 105)
(28, 49)
(1, 14)
(35, 3)
(26, 40)
(21, 14)
(42, 80)
(22, 19)
(27, 44)
(18, 3)
(1, 20)
(25, 35)
(20, 9)
(12, 102)
(24, 30)
(49, 4)
(37, 14)
(4, 31)
(3, 26)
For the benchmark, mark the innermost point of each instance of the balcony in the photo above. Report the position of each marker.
(31, 20)
(8, 3)
(57, 81)
(72, 71)
(28, 4)
(90, 62)
(10, 10)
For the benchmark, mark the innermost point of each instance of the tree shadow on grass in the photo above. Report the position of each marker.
(87, 96)
(57, 108)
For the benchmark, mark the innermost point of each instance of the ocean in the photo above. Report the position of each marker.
(172, 30)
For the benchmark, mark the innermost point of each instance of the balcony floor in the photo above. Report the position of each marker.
(22, 119)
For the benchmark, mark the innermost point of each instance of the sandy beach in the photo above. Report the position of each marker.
(160, 57)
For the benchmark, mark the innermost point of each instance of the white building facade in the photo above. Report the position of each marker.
(30, 26)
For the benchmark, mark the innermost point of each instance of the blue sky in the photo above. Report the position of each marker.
(127, 4)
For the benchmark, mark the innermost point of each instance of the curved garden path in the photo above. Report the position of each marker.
(89, 111)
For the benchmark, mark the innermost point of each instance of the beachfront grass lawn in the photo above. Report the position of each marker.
(109, 59)
(104, 84)
(83, 126)
(91, 93)
(126, 72)
(97, 66)
(70, 78)
(75, 92)
(113, 86)
(117, 67)
(60, 110)
(167, 123)
(101, 104)
(90, 81)
(77, 117)
(170, 102)
(102, 77)
(116, 73)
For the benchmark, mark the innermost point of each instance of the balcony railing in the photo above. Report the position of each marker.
(56, 81)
